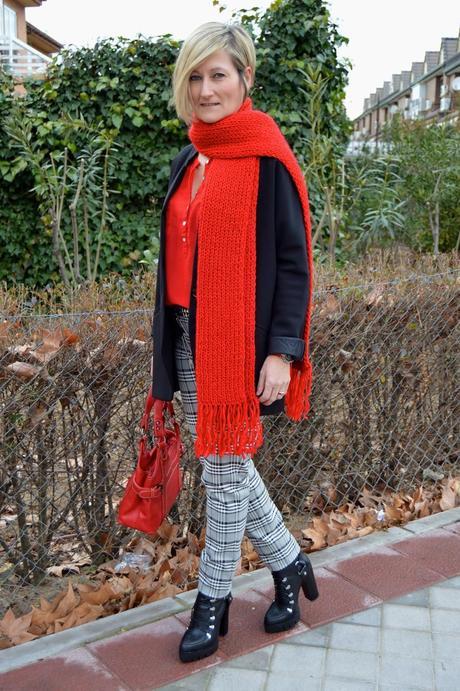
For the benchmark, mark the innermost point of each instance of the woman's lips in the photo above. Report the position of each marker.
(206, 105)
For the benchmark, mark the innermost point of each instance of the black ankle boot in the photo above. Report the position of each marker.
(209, 619)
(284, 612)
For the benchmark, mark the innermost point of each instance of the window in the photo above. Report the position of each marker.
(8, 22)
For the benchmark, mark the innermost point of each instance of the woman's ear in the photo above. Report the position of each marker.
(248, 73)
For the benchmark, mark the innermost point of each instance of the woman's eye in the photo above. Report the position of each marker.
(197, 76)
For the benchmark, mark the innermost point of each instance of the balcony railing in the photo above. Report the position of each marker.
(20, 59)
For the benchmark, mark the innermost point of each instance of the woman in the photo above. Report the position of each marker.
(232, 316)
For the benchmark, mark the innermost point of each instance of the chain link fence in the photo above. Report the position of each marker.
(385, 415)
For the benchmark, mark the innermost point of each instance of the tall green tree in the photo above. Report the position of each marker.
(294, 38)
(429, 166)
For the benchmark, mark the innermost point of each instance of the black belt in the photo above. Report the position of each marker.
(180, 311)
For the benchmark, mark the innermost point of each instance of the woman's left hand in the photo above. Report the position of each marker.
(274, 378)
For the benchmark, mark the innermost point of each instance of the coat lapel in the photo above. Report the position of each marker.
(161, 286)
(177, 177)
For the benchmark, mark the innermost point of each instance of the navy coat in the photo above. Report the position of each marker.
(282, 286)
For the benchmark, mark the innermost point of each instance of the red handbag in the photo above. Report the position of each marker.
(155, 484)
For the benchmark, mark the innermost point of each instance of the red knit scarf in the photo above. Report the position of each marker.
(228, 417)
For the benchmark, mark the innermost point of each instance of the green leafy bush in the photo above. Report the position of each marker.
(407, 193)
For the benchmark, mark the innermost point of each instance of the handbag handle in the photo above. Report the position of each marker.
(159, 408)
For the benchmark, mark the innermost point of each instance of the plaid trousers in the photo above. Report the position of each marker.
(237, 500)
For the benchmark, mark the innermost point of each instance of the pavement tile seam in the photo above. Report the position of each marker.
(437, 596)
(304, 635)
(352, 664)
(204, 676)
(402, 674)
(249, 660)
(101, 664)
(287, 650)
(75, 666)
(355, 617)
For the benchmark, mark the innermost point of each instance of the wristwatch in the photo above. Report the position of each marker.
(285, 358)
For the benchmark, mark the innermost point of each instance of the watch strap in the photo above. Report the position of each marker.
(285, 357)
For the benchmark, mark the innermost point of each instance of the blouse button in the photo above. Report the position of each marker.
(184, 223)
(183, 239)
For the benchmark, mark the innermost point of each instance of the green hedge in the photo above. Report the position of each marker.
(122, 86)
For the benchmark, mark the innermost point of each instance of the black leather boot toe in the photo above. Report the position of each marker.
(209, 618)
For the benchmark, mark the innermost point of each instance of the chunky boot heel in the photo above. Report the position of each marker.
(209, 618)
(223, 629)
(309, 587)
(284, 612)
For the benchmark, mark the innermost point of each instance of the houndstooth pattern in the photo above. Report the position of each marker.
(237, 500)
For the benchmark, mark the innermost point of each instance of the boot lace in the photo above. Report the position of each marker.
(283, 590)
(203, 614)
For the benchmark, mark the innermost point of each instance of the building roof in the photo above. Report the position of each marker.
(30, 3)
(449, 46)
(443, 61)
(431, 60)
(405, 79)
(41, 41)
(417, 70)
(396, 81)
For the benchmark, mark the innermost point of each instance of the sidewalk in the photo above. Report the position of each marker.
(387, 619)
(411, 642)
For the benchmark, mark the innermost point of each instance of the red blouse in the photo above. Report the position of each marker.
(182, 216)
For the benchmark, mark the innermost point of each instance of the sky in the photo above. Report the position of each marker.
(385, 36)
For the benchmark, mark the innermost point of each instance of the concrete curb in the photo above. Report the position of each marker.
(55, 643)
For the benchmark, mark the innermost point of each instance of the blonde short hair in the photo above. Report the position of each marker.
(198, 46)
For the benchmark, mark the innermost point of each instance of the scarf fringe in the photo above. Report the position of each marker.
(228, 428)
(297, 401)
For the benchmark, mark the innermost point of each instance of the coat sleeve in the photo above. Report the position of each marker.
(292, 273)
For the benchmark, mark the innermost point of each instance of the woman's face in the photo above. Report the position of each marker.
(215, 87)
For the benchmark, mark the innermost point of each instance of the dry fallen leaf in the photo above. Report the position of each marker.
(168, 531)
(64, 602)
(23, 370)
(330, 306)
(375, 296)
(316, 537)
(80, 615)
(15, 629)
(62, 569)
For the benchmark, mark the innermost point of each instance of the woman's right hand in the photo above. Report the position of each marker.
(274, 378)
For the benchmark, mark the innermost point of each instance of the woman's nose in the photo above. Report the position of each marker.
(206, 87)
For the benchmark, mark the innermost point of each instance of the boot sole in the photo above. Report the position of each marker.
(198, 654)
(282, 626)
